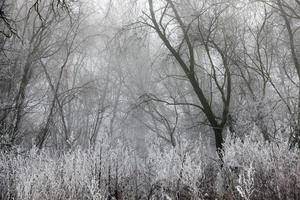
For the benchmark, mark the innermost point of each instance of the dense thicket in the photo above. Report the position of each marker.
(150, 99)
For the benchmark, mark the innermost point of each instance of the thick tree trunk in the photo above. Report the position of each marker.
(219, 140)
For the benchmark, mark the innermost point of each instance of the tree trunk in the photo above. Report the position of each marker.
(219, 140)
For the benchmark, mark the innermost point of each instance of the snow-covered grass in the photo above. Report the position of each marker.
(252, 170)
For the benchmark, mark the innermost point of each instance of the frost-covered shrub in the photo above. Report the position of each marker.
(246, 183)
(252, 169)
(182, 172)
(266, 170)
(80, 174)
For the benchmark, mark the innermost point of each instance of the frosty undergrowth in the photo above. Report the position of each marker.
(252, 170)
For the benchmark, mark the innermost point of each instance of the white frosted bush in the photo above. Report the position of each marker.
(253, 169)
(246, 183)
(276, 165)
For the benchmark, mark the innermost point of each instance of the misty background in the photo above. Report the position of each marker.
(149, 99)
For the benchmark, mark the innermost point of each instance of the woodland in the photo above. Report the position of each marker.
(149, 99)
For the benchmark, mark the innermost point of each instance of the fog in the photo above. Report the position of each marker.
(149, 99)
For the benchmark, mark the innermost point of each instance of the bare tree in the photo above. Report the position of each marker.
(188, 63)
(288, 11)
